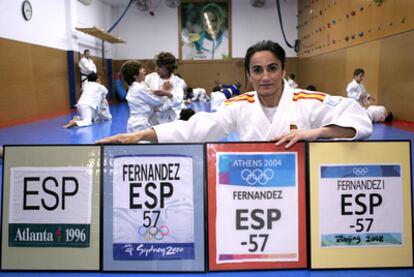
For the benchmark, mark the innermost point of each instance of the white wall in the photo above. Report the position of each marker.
(48, 26)
(97, 14)
(251, 25)
(53, 23)
(146, 36)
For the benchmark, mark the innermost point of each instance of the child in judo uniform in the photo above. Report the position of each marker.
(92, 105)
(170, 107)
(142, 101)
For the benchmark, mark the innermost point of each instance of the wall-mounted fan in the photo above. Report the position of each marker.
(143, 5)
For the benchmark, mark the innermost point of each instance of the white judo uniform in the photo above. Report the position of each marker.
(292, 83)
(217, 99)
(200, 94)
(141, 103)
(377, 113)
(358, 92)
(244, 114)
(169, 109)
(86, 67)
(92, 104)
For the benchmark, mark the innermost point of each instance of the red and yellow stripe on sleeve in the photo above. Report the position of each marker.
(243, 97)
(309, 95)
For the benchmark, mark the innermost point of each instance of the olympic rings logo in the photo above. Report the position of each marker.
(360, 171)
(153, 232)
(257, 176)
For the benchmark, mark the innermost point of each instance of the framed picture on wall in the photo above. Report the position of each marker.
(204, 30)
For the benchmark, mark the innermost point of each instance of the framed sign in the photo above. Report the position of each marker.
(51, 208)
(205, 32)
(256, 206)
(361, 212)
(154, 208)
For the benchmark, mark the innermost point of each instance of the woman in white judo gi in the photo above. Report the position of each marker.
(92, 105)
(170, 107)
(218, 96)
(274, 111)
(142, 101)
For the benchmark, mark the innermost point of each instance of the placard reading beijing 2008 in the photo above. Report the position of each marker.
(360, 204)
(50, 206)
(153, 207)
(365, 207)
(257, 205)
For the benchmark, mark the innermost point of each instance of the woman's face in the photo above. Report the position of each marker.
(266, 76)
(214, 22)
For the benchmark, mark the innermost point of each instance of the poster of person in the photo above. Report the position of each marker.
(205, 30)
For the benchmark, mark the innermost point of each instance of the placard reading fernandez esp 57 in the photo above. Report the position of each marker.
(153, 207)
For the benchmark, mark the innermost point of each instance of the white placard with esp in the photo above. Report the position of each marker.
(50, 206)
(361, 205)
(257, 207)
(153, 207)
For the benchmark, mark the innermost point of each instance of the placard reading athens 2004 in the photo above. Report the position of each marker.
(257, 199)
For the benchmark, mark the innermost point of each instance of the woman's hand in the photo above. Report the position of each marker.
(162, 93)
(167, 86)
(327, 132)
(130, 138)
(293, 136)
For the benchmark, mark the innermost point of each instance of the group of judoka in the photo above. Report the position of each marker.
(92, 104)
(153, 99)
(273, 111)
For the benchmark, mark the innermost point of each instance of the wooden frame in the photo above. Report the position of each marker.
(204, 30)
